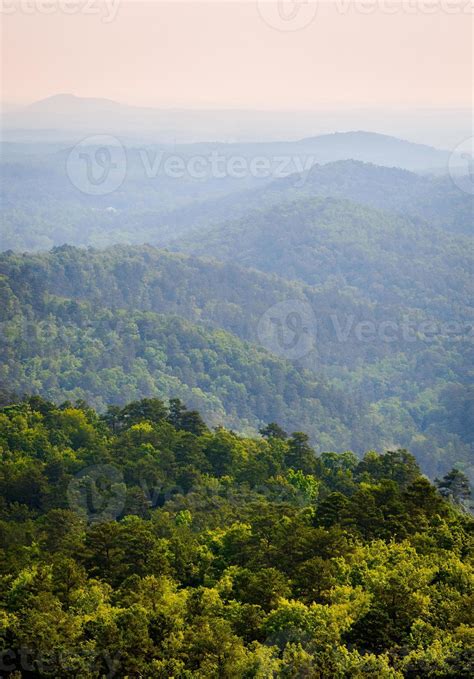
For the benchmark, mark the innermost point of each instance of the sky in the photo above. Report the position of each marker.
(256, 55)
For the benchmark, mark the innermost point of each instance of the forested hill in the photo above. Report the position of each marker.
(42, 208)
(114, 325)
(65, 349)
(401, 268)
(315, 239)
(140, 543)
(435, 200)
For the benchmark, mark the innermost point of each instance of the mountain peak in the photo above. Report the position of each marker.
(70, 103)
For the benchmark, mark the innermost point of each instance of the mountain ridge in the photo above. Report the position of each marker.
(80, 115)
(111, 319)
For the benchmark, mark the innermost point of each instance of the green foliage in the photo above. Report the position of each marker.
(64, 349)
(127, 323)
(142, 543)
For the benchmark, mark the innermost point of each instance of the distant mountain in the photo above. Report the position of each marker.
(89, 115)
(316, 239)
(69, 103)
(443, 128)
(375, 148)
(42, 208)
(82, 116)
(369, 147)
(435, 199)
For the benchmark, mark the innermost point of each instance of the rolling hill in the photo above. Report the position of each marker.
(436, 200)
(113, 325)
(390, 258)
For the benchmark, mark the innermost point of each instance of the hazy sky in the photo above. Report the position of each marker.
(236, 54)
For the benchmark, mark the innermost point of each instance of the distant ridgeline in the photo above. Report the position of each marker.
(141, 543)
(41, 208)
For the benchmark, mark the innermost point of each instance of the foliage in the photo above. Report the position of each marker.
(135, 546)
(103, 326)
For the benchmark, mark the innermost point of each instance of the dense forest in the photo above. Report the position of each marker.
(314, 239)
(116, 325)
(139, 542)
(236, 340)
(308, 513)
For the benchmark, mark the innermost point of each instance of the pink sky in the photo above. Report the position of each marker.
(225, 54)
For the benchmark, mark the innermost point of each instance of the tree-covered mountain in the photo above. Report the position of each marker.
(404, 270)
(105, 326)
(42, 207)
(390, 260)
(140, 543)
(435, 199)
(65, 349)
